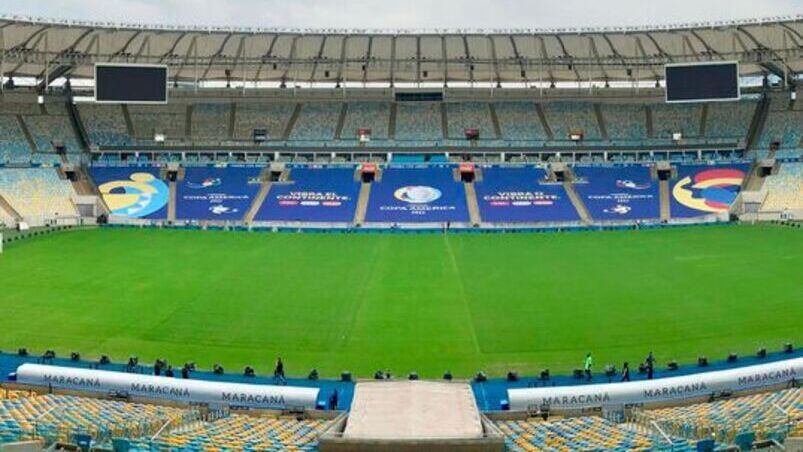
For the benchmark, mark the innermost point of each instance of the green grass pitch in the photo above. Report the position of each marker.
(404, 302)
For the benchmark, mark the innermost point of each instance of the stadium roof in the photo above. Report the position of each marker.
(49, 49)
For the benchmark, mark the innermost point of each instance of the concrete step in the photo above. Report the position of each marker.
(578, 203)
(362, 204)
(663, 188)
(473, 206)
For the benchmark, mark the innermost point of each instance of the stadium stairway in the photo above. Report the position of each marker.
(291, 123)
(603, 126)
(262, 194)
(473, 206)
(577, 202)
(362, 203)
(171, 205)
(8, 212)
(663, 190)
(753, 181)
(544, 122)
(26, 132)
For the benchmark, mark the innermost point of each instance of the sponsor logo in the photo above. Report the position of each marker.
(60, 380)
(624, 183)
(520, 199)
(619, 209)
(160, 390)
(768, 377)
(221, 209)
(711, 190)
(206, 183)
(139, 196)
(253, 399)
(312, 199)
(417, 194)
(579, 399)
(675, 391)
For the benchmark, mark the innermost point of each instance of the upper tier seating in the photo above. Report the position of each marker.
(210, 121)
(767, 415)
(565, 117)
(105, 124)
(783, 125)
(48, 129)
(784, 189)
(419, 121)
(13, 146)
(729, 120)
(148, 120)
(58, 418)
(625, 123)
(270, 116)
(367, 115)
(317, 121)
(581, 433)
(37, 192)
(668, 119)
(469, 115)
(519, 121)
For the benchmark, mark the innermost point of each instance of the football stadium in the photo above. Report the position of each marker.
(242, 238)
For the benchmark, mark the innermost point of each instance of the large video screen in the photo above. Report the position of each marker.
(123, 83)
(702, 82)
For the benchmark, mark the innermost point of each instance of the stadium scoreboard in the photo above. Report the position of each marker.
(702, 82)
(130, 83)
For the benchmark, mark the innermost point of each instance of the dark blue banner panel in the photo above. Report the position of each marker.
(133, 192)
(705, 189)
(313, 194)
(520, 195)
(210, 193)
(618, 193)
(418, 195)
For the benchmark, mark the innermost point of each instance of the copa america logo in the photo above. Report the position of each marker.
(417, 194)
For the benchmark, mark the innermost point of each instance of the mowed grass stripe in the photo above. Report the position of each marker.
(424, 303)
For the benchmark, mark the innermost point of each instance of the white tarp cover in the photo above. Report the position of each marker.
(196, 391)
(660, 390)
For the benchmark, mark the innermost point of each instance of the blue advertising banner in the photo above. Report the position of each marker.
(313, 194)
(211, 193)
(520, 195)
(618, 193)
(706, 189)
(132, 192)
(417, 195)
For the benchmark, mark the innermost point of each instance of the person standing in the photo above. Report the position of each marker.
(650, 366)
(587, 366)
(278, 372)
(625, 372)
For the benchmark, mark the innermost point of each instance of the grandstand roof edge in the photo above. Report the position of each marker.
(205, 28)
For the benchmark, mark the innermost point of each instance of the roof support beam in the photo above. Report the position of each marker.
(393, 60)
(343, 52)
(367, 61)
(266, 56)
(318, 58)
(495, 61)
(517, 55)
(215, 56)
